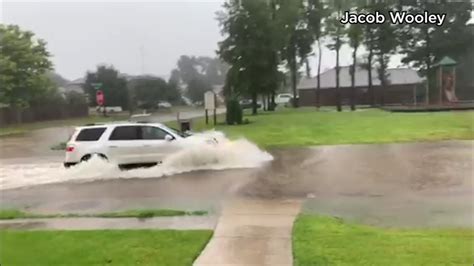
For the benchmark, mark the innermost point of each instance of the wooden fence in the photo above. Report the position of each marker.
(10, 116)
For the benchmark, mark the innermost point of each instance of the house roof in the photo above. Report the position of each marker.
(446, 61)
(396, 76)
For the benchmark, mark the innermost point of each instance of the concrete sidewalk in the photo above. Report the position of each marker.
(252, 232)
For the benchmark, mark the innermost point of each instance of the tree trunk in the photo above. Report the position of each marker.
(318, 88)
(428, 65)
(18, 113)
(354, 69)
(369, 69)
(267, 101)
(254, 103)
(293, 79)
(382, 78)
(308, 69)
(271, 106)
(338, 93)
(264, 102)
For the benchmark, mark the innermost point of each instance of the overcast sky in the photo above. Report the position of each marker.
(83, 34)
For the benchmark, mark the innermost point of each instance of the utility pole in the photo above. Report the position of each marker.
(142, 57)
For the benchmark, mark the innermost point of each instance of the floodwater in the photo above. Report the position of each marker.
(410, 184)
(198, 155)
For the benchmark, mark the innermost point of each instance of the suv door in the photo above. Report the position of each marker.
(125, 145)
(156, 147)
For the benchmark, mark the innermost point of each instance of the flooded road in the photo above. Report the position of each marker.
(35, 145)
(196, 154)
(411, 184)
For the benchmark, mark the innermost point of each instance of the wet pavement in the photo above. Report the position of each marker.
(410, 184)
(252, 232)
(175, 223)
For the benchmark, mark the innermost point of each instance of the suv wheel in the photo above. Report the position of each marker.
(87, 157)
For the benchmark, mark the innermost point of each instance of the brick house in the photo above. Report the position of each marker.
(405, 87)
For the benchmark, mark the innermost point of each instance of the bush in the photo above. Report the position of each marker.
(234, 112)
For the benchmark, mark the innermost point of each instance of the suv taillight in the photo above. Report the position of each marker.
(69, 148)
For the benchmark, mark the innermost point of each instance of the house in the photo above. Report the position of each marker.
(404, 87)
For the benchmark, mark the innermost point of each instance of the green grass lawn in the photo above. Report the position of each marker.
(104, 247)
(305, 126)
(8, 214)
(331, 241)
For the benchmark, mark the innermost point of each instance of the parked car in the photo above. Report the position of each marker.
(109, 109)
(283, 98)
(128, 143)
(164, 104)
(247, 104)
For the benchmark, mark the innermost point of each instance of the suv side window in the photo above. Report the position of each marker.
(125, 133)
(151, 133)
(90, 134)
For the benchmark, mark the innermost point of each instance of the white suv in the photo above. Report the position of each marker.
(125, 143)
(283, 98)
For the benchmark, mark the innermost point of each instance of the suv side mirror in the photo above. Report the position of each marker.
(169, 137)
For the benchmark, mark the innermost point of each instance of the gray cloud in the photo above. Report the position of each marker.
(81, 35)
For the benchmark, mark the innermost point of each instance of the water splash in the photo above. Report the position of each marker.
(198, 155)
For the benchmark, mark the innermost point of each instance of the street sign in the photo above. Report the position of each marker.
(99, 97)
(97, 86)
(210, 104)
(209, 100)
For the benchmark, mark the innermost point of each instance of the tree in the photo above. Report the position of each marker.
(369, 43)
(196, 89)
(173, 93)
(424, 44)
(192, 67)
(187, 68)
(75, 98)
(385, 44)
(24, 63)
(295, 28)
(335, 31)
(355, 34)
(213, 69)
(57, 79)
(113, 86)
(200, 70)
(149, 91)
(317, 13)
(248, 48)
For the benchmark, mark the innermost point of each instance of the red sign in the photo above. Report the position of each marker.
(99, 97)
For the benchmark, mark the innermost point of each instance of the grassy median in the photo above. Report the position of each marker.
(330, 241)
(9, 214)
(104, 247)
(306, 126)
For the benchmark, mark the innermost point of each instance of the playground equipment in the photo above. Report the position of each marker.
(446, 80)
